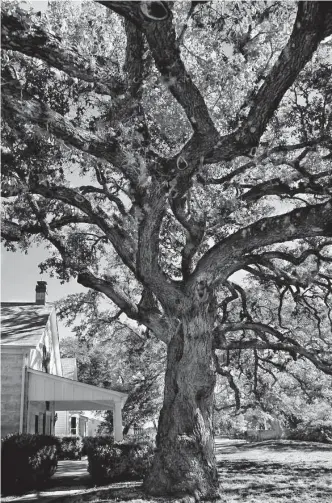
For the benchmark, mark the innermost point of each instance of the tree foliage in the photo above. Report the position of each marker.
(115, 356)
(202, 136)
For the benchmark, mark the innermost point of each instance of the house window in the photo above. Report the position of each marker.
(73, 425)
(36, 423)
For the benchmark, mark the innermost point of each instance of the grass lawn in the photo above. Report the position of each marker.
(266, 472)
(276, 472)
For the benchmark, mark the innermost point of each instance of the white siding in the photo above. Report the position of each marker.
(11, 388)
(62, 424)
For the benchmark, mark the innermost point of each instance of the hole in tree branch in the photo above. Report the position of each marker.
(155, 11)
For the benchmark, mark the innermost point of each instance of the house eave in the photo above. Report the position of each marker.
(71, 395)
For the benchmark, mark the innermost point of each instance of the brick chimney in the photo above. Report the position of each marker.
(41, 293)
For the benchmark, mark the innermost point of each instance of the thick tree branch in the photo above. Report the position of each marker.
(227, 256)
(255, 344)
(151, 319)
(119, 239)
(148, 269)
(12, 231)
(110, 289)
(20, 33)
(128, 107)
(286, 343)
(164, 47)
(288, 257)
(259, 158)
(275, 186)
(195, 227)
(63, 129)
(313, 23)
(90, 189)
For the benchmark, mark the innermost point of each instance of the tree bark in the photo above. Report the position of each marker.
(184, 462)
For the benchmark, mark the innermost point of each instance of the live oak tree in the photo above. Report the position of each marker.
(202, 132)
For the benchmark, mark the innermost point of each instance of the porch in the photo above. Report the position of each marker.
(48, 394)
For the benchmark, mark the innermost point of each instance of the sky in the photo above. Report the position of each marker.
(19, 276)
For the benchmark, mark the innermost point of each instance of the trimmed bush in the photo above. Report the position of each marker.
(118, 462)
(27, 461)
(70, 447)
(93, 442)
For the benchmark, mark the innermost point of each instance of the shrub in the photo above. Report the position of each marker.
(70, 448)
(117, 462)
(319, 432)
(93, 442)
(27, 461)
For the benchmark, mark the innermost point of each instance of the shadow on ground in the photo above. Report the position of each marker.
(70, 474)
(265, 472)
(279, 445)
(274, 482)
(275, 471)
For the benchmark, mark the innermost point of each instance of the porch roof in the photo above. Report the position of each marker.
(71, 395)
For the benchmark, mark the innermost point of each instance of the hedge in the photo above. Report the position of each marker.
(315, 433)
(93, 442)
(70, 447)
(27, 461)
(116, 462)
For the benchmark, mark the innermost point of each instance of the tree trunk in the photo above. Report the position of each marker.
(184, 462)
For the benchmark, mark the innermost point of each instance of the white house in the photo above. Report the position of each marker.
(36, 388)
(74, 422)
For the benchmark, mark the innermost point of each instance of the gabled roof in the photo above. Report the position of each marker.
(23, 323)
(69, 368)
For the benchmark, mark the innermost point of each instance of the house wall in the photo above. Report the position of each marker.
(55, 356)
(82, 426)
(12, 362)
(37, 354)
(38, 409)
(92, 427)
(16, 414)
(62, 424)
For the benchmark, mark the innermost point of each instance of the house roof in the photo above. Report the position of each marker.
(71, 395)
(23, 323)
(68, 367)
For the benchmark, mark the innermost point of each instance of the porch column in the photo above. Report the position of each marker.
(117, 422)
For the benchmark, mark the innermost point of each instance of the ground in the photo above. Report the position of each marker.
(266, 472)
(275, 472)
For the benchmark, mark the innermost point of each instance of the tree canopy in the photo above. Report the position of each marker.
(115, 356)
(176, 157)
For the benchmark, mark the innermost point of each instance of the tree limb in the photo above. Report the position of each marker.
(119, 239)
(152, 320)
(148, 269)
(227, 256)
(286, 343)
(12, 231)
(20, 33)
(63, 129)
(195, 227)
